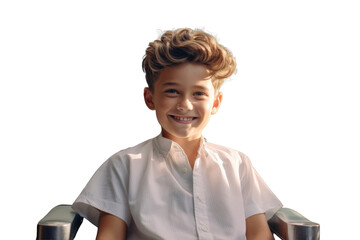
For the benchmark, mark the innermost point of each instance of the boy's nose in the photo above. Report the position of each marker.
(184, 105)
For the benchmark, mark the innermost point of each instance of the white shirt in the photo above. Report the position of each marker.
(154, 190)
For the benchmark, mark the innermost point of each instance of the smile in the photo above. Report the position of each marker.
(183, 119)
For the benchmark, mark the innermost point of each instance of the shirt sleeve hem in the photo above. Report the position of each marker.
(269, 210)
(91, 210)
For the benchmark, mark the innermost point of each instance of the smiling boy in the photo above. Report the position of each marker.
(184, 98)
(177, 185)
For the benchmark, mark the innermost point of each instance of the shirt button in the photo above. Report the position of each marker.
(204, 229)
(199, 198)
(184, 170)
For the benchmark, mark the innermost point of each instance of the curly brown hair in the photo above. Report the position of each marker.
(187, 45)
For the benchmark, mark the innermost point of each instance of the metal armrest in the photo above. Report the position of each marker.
(291, 225)
(61, 223)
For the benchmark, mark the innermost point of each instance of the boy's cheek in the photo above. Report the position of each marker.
(165, 104)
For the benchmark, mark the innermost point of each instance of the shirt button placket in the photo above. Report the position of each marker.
(200, 208)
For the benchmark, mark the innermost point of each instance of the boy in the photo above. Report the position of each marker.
(178, 186)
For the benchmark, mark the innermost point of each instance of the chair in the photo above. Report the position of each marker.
(62, 223)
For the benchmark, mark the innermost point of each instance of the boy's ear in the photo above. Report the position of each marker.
(148, 97)
(217, 102)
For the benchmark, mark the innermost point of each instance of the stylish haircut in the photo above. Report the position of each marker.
(187, 45)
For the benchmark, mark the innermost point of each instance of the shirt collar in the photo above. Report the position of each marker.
(165, 145)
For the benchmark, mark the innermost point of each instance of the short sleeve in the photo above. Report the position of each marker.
(258, 197)
(106, 191)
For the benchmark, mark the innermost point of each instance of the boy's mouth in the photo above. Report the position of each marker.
(183, 119)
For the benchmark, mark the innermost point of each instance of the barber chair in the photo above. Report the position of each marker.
(62, 223)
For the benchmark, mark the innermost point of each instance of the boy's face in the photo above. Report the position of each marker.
(184, 99)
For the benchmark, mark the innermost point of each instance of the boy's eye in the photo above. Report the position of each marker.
(199, 94)
(171, 91)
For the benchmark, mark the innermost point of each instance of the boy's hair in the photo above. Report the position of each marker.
(187, 45)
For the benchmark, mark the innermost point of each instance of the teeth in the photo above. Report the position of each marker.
(183, 118)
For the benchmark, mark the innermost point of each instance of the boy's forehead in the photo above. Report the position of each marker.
(187, 71)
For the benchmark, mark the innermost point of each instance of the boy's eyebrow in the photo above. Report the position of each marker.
(177, 84)
(170, 84)
(201, 87)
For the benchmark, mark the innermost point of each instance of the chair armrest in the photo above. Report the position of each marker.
(291, 225)
(61, 223)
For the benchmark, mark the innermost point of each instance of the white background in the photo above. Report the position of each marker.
(71, 96)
